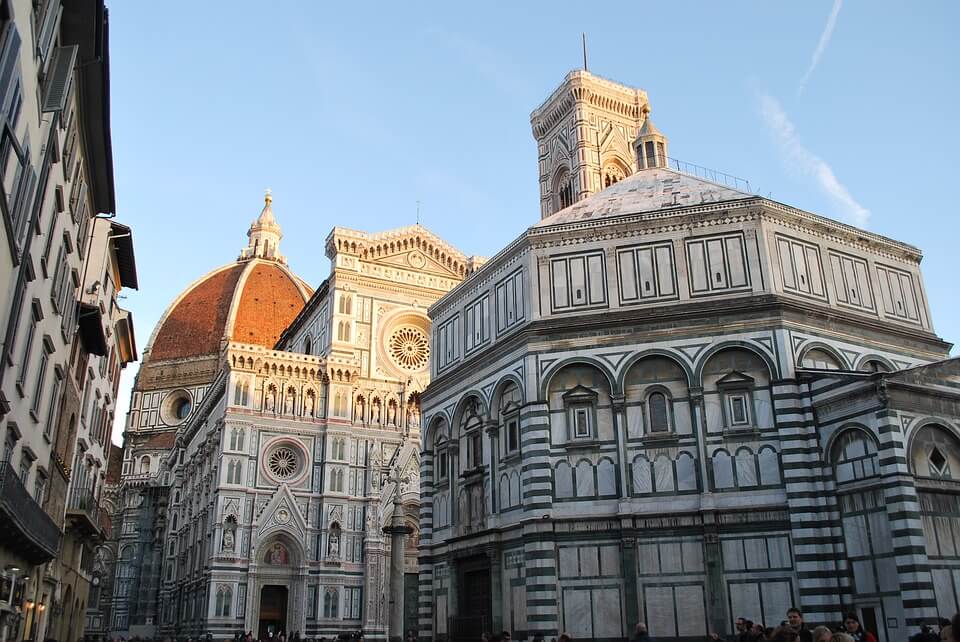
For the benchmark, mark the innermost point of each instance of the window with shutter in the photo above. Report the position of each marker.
(59, 77)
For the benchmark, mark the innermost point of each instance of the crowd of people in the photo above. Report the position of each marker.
(792, 629)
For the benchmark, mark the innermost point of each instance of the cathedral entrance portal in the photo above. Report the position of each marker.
(273, 612)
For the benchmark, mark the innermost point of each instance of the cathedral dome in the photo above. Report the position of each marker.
(250, 301)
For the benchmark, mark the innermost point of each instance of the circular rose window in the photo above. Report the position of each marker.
(409, 348)
(285, 462)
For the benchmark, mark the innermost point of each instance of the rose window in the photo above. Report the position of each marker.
(409, 348)
(283, 462)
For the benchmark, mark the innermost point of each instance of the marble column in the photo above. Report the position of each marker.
(398, 531)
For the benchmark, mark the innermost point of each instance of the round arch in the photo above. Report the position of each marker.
(772, 369)
(875, 357)
(501, 385)
(432, 425)
(484, 410)
(289, 540)
(926, 422)
(654, 352)
(548, 376)
(842, 430)
(819, 345)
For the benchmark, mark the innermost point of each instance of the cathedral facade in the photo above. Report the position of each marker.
(271, 458)
(675, 402)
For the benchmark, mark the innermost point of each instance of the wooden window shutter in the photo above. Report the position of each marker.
(58, 78)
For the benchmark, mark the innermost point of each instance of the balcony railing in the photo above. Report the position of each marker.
(24, 525)
(83, 509)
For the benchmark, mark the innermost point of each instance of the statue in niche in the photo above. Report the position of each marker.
(376, 411)
(333, 544)
(392, 413)
(414, 419)
(358, 409)
(277, 555)
(228, 542)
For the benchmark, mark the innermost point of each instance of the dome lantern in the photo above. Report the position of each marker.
(264, 235)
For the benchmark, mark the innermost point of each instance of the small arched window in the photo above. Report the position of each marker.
(854, 457)
(144, 465)
(307, 346)
(657, 406)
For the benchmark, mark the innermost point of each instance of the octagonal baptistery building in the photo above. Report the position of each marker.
(673, 401)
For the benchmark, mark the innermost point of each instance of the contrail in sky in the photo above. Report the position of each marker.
(802, 160)
(822, 45)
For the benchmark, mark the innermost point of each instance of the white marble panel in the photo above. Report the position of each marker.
(692, 556)
(670, 557)
(777, 598)
(882, 540)
(690, 604)
(713, 412)
(642, 479)
(722, 470)
(682, 417)
(663, 474)
(864, 578)
(649, 557)
(586, 486)
(746, 469)
(577, 613)
(755, 551)
(745, 602)
(606, 478)
(610, 564)
(569, 565)
(563, 480)
(589, 561)
(634, 421)
(779, 552)
(769, 467)
(732, 555)
(686, 472)
(659, 608)
(607, 621)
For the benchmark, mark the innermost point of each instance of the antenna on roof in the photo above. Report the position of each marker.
(583, 37)
(418, 212)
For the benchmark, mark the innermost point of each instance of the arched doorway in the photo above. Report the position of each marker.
(279, 589)
(273, 611)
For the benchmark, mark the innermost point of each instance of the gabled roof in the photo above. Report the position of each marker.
(648, 190)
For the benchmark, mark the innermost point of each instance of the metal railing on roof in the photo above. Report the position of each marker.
(712, 175)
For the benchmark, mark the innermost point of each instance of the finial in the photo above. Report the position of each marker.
(268, 197)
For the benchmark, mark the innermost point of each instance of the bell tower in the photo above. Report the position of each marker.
(585, 133)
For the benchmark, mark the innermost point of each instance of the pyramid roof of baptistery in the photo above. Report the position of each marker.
(648, 190)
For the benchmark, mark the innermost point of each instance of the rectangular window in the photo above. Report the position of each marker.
(739, 413)
(447, 335)
(442, 465)
(24, 469)
(53, 413)
(510, 301)
(41, 380)
(312, 602)
(475, 449)
(578, 282)
(717, 264)
(476, 323)
(513, 435)
(646, 272)
(581, 422)
(35, 316)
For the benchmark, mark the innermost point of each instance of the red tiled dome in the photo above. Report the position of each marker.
(269, 295)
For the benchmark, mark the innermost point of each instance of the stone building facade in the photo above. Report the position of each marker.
(273, 432)
(64, 336)
(674, 401)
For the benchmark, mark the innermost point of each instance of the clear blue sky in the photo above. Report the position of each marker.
(353, 111)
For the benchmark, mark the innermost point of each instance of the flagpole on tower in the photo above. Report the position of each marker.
(583, 37)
